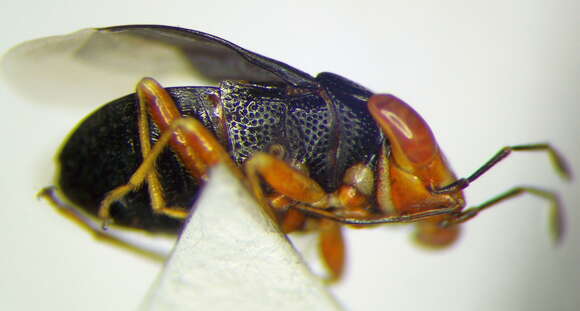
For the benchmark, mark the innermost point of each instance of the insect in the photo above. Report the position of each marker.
(317, 152)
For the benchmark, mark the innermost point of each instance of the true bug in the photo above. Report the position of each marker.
(319, 150)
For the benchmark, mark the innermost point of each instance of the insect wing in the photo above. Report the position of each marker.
(111, 60)
(216, 58)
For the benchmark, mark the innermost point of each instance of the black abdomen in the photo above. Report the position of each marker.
(104, 151)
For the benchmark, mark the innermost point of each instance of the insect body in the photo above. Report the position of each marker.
(321, 150)
(253, 117)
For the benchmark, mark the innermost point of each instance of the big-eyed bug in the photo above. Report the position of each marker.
(319, 151)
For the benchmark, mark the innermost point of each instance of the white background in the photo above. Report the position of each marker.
(483, 74)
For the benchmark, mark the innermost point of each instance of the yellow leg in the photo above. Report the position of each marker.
(50, 194)
(187, 125)
(195, 145)
(155, 189)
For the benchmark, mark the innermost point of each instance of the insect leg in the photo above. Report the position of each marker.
(196, 146)
(283, 179)
(73, 213)
(148, 94)
(358, 219)
(432, 235)
(332, 248)
(290, 219)
(300, 188)
(201, 139)
(556, 218)
(557, 160)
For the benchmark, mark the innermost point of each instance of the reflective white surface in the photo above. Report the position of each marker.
(483, 75)
(232, 256)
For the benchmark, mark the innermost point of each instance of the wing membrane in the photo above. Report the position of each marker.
(101, 64)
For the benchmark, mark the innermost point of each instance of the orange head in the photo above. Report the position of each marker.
(416, 165)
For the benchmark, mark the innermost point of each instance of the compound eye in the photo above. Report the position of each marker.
(413, 144)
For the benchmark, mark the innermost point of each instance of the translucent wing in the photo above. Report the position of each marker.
(101, 64)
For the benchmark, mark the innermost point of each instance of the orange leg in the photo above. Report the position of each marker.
(331, 242)
(284, 180)
(332, 248)
(290, 219)
(347, 205)
(196, 146)
(430, 234)
(293, 186)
